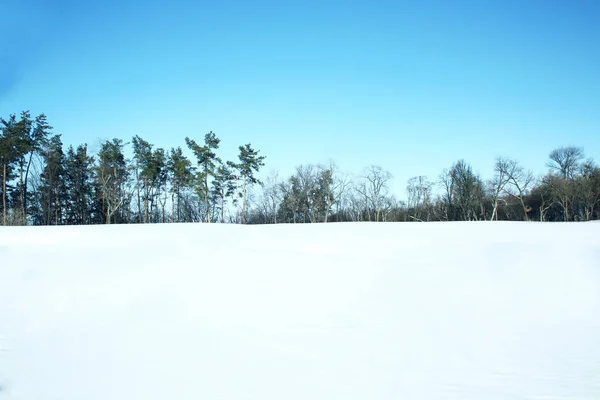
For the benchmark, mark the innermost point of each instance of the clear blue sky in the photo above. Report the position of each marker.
(409, 85)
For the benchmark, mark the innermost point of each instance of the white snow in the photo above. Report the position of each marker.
(330, 311)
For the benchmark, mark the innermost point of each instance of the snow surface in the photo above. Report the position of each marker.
(331, 311)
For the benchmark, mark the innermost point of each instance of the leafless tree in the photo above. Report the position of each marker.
(445, 209)
(271, 196)
(564, 165)
(498, 183)
(588, 189)
(374, 188)
(419, 197)
(463, 193)
(339, 183)
(565, 160)
(519, 181)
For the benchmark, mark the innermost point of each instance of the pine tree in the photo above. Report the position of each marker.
(250, 162)
(8, 157)
(38, 138)
(223, 187)
(23, 147)
(142, 154)
(53, 191)
(180, 173)
(112, 177)
(78, 174)
(156, 178)
(207, 161)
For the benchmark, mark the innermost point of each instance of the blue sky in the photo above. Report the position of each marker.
(412, 86)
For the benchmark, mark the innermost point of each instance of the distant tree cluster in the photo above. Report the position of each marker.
(569, 191)
(44, 185)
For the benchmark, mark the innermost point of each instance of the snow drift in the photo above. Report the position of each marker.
(335, 311)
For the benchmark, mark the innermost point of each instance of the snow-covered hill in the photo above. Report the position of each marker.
(336, 311)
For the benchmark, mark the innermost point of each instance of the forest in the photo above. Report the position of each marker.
(43, 183)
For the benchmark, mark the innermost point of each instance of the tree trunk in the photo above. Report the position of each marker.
(494, 213)
(151, 207)
(222, 209)
(22, 192)
(178, 205)
(116, 189)
(146, 200)
(244, 204)
(173, 204)
(328, 210)
(206, 197)
(4, 195)
(56, 206)
(521, 196)
(139, 200)
(164, 203)
(26, 180)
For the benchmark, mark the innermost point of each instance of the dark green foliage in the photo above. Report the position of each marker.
(8, 156)
(181, 174)
(307, 195)
(151, 176)
(207, 165)
(79, 185)
(41, 184)
(53, 188)
(223, 187)
(112, 176)
(468, 192)
(250, 163)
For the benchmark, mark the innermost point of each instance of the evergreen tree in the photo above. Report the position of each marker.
(8, 156)
(142, 154)
(250, 162)
(38, 138)
(112, 177)
(155, 175)
(78, 182)
(23, 146)
(53, 191)
(180, 174)
(207, 161)
(223, 187)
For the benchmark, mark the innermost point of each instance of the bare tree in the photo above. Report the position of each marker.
(519, 180)
(498, 183)
(445, 209)
(463, 197)
(419, 197)
(545, 204)
(588, 188)
(388, 205)
(354, 205)
(565, 160)
(374, 188)
(339, 184)
(271, 197)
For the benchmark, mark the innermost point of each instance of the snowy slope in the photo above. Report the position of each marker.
(337, 311)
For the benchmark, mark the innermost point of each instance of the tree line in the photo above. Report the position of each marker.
(42, 184)
(569, 191)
